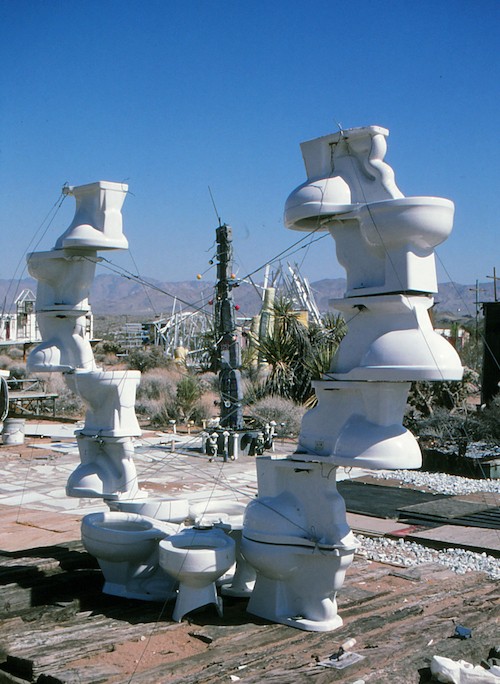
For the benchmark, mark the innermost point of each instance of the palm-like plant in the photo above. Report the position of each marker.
(297, 354)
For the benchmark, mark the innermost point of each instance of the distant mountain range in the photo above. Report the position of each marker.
(119, 296)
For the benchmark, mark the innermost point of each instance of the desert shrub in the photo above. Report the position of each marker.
(147, 359)
(158, 383)
(188, 394)
(168, 394)
(15, 353)
(286, 413)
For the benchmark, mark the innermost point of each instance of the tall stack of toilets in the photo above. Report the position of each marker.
(65, 275)
(295, 533)
(141, 552)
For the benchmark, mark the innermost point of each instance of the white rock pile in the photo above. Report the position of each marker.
(440, 482)
(407, 554)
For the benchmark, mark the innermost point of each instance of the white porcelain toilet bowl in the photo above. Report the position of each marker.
(167, 510)
(110, 397)
(297, 583)
(297, 577)
(64, 278)
(65, 345)
(98, 222)
(106, 470)
(228, 516)
(126, 548)
(196, 558)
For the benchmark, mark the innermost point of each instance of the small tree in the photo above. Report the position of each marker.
(188, 394)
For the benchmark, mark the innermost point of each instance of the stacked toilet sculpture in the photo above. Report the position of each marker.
(141, 550)
(295, 533)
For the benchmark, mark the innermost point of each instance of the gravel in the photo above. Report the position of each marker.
(439, 482)
(408, 554)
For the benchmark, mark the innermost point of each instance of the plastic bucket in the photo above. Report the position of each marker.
(13, 431)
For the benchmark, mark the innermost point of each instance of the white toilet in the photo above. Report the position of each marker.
(197, 558)
(384, 240)
(97, 223)
(110, 397)
(228, 516)
(66, 345)
(358, 424)
(297, 538)
(106, 470)
(64, 278)
(391, 338)
(126, 547)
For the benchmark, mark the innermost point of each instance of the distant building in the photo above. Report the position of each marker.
(20, 326)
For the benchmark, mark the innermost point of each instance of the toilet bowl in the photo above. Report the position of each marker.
(228, 516)
(296, 536)
(106, 470)
(391, 338)
(64, 279)
(97, 223)
(384, 240)
(196, 558)
(66, 344)
(164, 509)
(110, 397)
(126, 548)
(358, 424)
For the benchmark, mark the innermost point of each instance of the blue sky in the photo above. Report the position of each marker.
(173, 97)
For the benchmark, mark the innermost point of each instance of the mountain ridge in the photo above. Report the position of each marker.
(118, 295)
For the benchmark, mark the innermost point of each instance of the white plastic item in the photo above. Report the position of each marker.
(97, 223)
(296, 536)
(126, 548)
(460, 672)
(196, 558)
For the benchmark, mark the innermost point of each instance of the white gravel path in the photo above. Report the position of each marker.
(400, 552)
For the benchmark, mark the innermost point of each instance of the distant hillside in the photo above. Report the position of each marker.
(119, 296)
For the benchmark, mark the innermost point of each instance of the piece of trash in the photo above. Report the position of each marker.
(460, 672)
(234, 678)
(345, 660)
(462, 632)
(206, 638)
(430, 642)
(342, 658)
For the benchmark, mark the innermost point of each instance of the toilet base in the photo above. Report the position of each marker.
(238, 591)
(160, 588)
(190, 598)
(299, 622)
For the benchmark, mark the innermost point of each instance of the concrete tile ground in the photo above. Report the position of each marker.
(34, 507)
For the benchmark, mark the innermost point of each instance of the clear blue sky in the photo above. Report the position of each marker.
(173, 97)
